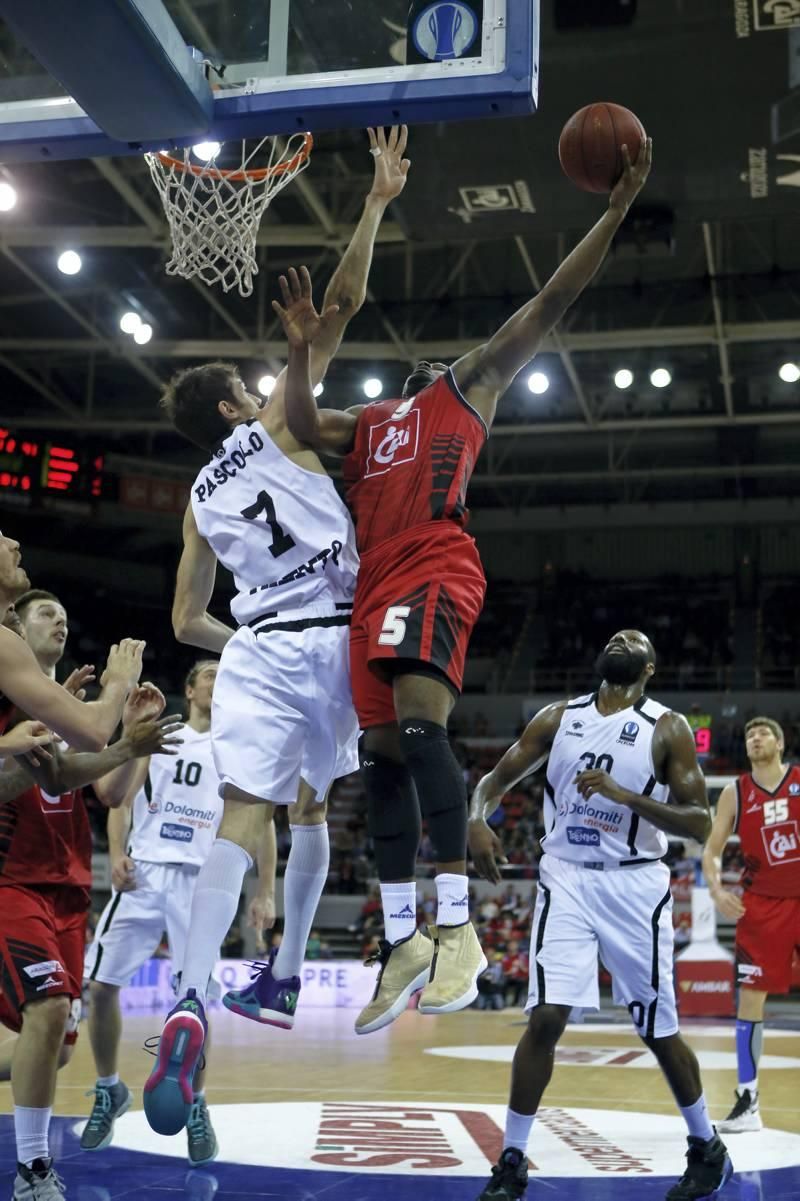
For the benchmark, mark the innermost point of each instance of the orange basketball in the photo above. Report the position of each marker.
(590, 146)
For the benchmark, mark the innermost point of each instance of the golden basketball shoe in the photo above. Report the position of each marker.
(405, 967)
(457, 964)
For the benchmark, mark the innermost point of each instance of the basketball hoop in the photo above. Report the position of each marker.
(215, 214)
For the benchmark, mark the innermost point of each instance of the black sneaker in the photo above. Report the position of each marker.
(509, 1177)
(708, 1170)
(744, 1116)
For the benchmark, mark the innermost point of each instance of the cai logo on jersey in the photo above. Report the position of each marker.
(628, 735)
(781, 843)
(392, 443)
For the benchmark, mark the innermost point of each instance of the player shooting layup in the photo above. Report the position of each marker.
(420, 591)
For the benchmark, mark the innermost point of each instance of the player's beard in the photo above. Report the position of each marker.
(621, 666)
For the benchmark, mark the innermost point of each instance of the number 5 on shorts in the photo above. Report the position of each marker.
(394, 625)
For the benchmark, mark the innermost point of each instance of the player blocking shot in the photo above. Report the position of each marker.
(622, 775)
(763, 808)
(283, 724)
(420, 590)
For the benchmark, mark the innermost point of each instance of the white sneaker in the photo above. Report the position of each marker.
(744, 1116)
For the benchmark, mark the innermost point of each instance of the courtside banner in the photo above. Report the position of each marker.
(326, 983)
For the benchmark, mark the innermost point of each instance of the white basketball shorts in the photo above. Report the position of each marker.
(132, 923)
(283, 710)
(625, 916)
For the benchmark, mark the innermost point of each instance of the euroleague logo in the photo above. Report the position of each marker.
(392, 443)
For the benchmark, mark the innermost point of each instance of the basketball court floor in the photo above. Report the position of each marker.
(416, 1112)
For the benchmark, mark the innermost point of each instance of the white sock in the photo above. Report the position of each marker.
(306, 873)
(214, 905)
(453, 896)
(752, 1085)
(697, 1119)
(108, 1081)
(399, 910)
(518, 1130)
(30, 1128)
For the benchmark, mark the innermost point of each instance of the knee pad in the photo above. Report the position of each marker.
(392, 805)
(425, 744)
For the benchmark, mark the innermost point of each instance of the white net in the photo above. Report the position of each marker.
(215, 214)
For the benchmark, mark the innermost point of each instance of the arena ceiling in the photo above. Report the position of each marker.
(704, 280)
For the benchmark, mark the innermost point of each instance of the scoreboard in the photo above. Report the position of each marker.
(701, 728)
(41, 467)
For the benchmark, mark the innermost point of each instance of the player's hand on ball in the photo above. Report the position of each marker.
(391, 169)
(152, 737)
(300, 320)
(77, 680)
(728, 903)
(260, 917)
(123, 874)
(600, 783)
(145, 701)
(124, 663)
(633, 177)
(486, 850)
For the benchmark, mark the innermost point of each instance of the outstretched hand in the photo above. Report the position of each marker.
(633, 178)
(300, 320)
(391, 169)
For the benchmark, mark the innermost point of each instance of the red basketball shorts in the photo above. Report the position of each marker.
(766, 938)
(42, 945)
(418, 597)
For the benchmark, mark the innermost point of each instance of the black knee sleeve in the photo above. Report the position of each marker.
(393, 818)
(440, 785)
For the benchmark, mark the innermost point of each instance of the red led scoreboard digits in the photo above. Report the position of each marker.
(30, 465)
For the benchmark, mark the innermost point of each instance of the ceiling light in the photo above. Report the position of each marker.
(143, 333)
(207, 150)
(129, 322)
(660, 377)
(69, 262)
(623, 378)
(372, 387)
(266, 384)
(8, 196)
(319, 390)
(538, 383)
(789, 373)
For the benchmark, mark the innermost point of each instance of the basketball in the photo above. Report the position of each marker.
(590, 146)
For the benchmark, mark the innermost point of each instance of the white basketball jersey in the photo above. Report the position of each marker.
(597, 830)
(177, 813)
(282, 531)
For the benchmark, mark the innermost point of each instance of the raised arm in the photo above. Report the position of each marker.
(84, 726)
(194, 588)
(127, 778)
(347, 289)
(329, 431)
(722, 827)
(485, 373)
(524, 757)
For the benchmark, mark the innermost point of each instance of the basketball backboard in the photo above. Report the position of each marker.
(254, 67)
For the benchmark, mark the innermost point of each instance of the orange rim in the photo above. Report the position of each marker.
(237, 176)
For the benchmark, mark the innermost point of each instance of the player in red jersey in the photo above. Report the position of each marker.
(420, 590)
(763, 808)
(45, 876)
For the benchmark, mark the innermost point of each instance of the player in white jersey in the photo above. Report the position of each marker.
(283, 724)
(159, 838)
(622, 774)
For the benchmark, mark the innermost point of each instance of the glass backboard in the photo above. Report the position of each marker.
(276, 66)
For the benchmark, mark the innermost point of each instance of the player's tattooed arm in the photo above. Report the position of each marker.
(85, 726)
(484, 374)
(675, 758)
(728, 903)
(194, 587)
(520, 760)
(328, 431)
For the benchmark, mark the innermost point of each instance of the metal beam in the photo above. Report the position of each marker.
(557, 338)
(38, 386)
(726, 379)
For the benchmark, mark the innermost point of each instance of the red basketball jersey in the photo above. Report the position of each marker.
(44, 840)
(412, 462)
(768, 824)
